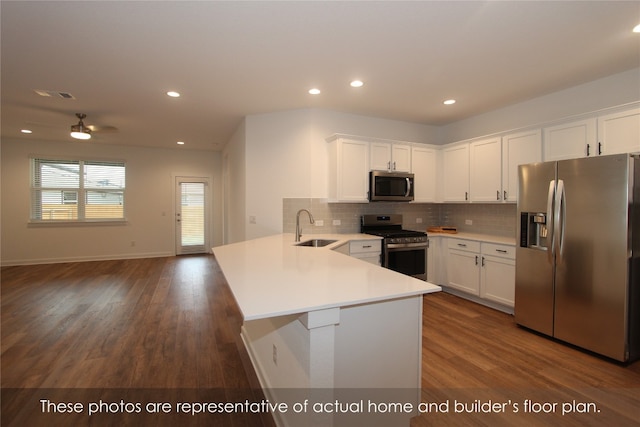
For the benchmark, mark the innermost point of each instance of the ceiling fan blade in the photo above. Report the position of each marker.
(102, 129)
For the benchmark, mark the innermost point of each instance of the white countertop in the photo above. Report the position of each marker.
(270, 276)
(478, 237)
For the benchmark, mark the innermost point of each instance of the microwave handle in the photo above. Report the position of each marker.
(408, 187)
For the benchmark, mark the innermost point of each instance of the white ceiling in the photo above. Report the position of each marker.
(232, 59)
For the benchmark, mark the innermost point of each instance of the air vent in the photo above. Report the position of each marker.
(54, 94)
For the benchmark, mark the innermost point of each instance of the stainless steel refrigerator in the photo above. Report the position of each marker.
(577, 256)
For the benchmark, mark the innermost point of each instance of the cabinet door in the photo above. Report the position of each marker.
(432, 259)
(518, 149)
(351, 171)
(619, 133)
(570, 140)
(401, 158)
(371, 259)
(498, 279)
(485, 184)
(380, 153)
(463, 271)
(455, 166)
(423, 166)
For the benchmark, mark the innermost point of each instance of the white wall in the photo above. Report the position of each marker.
(618, 89)
(235, 187)
(278, 165)
(149, 204)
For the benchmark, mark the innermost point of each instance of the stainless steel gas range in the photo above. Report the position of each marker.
(404, 251)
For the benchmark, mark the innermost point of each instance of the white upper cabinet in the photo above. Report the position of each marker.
(518, 149)
(608, 134)
(570, 140)
(348, 170)
(393, 157)
(380, 156)
(485, 157)
(455, 173)
(619, 133)
(423, 166)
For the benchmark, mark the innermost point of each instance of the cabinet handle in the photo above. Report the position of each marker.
(462, 245)
(483, 261)
(466, 195)
(588, 150)
(505, 195)
(502, 251)
(599, 148)
(389, 165)
(497, 194)
(369, 246)
(476, 259)
(394, 165)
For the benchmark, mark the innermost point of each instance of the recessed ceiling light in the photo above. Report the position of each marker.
(173, 94)
(180, 142)
(449, 102)
(314, 91)
(636, 29)
(357, 83)
(25, 131)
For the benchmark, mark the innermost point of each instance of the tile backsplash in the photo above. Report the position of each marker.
(494, 219)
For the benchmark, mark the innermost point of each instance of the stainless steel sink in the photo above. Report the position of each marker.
(316, 243)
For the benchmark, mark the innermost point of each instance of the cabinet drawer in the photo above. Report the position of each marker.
(362, 246)
(464, 245)
(504, 251)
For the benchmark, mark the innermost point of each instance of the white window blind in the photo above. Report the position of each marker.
(192, 211)
(77, 190)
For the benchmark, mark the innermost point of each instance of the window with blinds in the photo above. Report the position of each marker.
(77, 190)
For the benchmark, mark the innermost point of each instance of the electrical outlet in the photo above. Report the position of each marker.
(319, 222)
(275, 355)
(252, 219)
(468, 222)
(337, 222)
(418, 220)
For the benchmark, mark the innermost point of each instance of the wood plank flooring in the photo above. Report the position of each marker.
(167, 329)
(473, 354)
(134, 330)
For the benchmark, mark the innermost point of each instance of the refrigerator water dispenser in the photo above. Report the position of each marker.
(533, 230)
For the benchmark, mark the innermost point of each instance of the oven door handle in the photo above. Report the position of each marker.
(408, 187)
(407, 245)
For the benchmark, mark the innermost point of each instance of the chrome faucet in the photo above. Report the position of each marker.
(298, 229)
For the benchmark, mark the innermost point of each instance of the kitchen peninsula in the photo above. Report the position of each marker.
(318, 322)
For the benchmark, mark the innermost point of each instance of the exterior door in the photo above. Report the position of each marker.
(191, 215)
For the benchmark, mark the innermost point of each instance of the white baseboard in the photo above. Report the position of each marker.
(8, 263)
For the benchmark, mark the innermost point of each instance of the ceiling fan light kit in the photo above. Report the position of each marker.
(80, 131)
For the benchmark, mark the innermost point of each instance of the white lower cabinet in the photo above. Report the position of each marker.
(498, 273)
(463, 265)
(366, 250)
(482, 269)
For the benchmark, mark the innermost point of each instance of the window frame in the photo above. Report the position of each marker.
(82, 192)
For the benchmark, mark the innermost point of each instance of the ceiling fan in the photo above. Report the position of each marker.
(82, 131)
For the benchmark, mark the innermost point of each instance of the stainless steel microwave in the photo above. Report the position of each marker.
(390, 186)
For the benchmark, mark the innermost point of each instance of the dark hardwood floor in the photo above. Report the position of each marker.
(167, 330)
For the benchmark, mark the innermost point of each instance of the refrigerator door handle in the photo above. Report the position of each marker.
(559, 219)
(550, 219)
